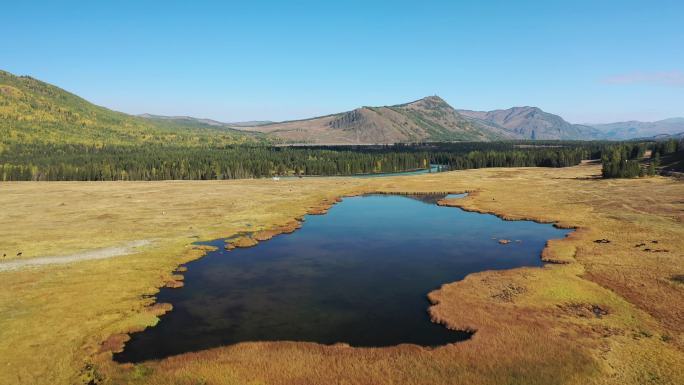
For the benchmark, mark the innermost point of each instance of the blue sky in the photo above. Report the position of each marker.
(589, 61)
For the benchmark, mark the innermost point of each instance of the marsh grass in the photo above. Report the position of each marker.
(55, 320)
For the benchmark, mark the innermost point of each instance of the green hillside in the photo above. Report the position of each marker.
(32, 111)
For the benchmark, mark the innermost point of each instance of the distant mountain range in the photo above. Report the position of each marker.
(210, 122)
(533, 123)
(635, 129)
(433, 119)
(31, 110)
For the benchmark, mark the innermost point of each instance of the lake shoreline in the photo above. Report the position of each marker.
(253, 238)
(524, 317)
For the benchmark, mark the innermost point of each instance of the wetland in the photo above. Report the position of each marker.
(358, 275)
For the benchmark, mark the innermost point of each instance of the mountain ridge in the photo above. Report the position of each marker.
(426, 119)
(638, 129)
(533, 123)
(211, 122)
(32, 110)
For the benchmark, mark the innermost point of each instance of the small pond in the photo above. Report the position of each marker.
(359, 274)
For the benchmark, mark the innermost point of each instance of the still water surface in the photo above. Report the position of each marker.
(359, 274)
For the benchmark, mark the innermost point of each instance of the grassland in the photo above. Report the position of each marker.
(605, 312)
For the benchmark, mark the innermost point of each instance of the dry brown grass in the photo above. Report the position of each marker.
(533, 325)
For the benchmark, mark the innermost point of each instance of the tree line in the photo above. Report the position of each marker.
(81, 162)
(50, 162)
(627, 160)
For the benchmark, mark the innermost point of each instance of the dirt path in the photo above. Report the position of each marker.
(102, 253)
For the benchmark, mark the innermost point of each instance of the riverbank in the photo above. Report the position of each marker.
(539, 325)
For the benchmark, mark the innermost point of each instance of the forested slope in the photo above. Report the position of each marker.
(32, 111)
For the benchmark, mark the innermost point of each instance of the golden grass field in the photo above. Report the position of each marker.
(601, 313)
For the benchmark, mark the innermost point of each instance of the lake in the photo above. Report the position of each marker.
(359, 275)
